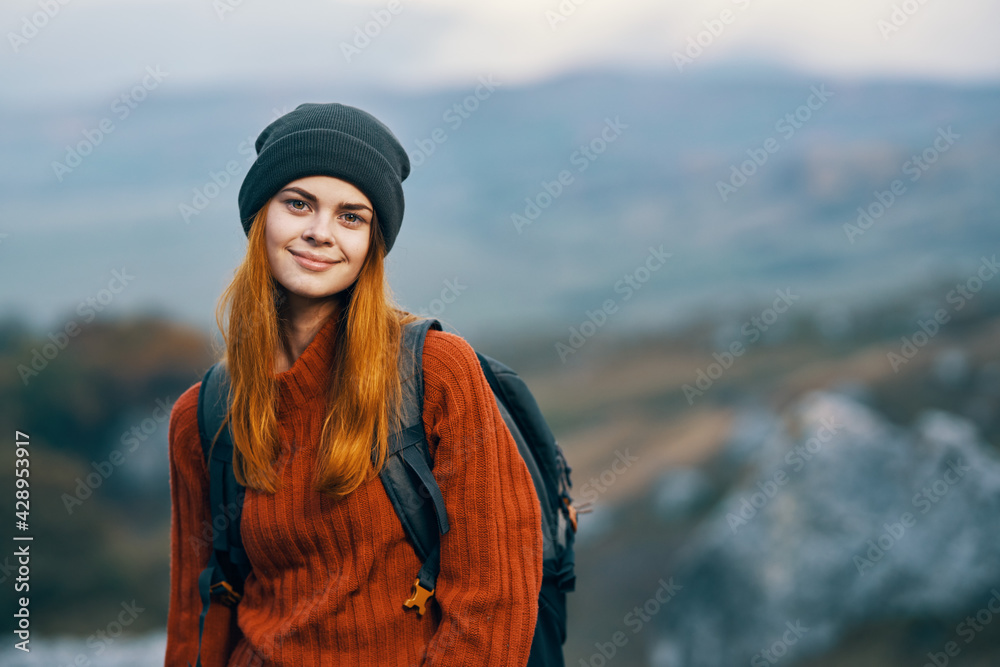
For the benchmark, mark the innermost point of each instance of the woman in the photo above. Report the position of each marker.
(311, 348)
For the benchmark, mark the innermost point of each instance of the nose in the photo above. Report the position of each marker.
(320, 230)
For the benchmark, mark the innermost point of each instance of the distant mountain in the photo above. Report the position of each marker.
(532, 206)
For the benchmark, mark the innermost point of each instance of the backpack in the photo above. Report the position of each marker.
(409, 482)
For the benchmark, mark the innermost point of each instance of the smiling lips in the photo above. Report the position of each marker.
(312, 261)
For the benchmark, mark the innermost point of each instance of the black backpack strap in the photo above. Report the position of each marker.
(407, 475)
(228, 565)
(225, 493)
(513, 394)
(546, 465)
(509, 412)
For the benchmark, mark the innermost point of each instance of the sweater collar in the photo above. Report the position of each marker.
(309, 376)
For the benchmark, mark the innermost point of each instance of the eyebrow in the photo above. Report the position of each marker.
(349, 206)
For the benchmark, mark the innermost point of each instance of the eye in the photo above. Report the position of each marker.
(353, 219)
(294, 204)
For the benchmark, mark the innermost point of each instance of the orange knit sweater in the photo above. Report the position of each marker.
(330, 576)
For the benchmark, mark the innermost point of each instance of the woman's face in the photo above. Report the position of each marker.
(317, 233)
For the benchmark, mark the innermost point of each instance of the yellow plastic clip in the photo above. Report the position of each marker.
(419, 597)
(227, 595)
(572, 513)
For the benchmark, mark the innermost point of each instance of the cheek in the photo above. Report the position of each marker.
(271, 246)
(277, 233)
(356, 245)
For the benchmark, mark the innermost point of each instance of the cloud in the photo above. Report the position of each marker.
(90, 49)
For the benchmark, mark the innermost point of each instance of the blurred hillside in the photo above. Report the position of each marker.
(617, 393)
(100, 503)
(746, 178)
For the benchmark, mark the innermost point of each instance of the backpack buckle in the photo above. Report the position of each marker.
(571, 511)
(227, 596)
(419, 597)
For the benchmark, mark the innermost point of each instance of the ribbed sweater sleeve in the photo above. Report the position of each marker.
(190, 545)
(491, 558)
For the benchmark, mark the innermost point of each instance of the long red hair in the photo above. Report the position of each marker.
(365, 388)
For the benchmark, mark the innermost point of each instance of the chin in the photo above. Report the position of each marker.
(318, 294)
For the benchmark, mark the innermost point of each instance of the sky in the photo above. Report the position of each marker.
(73, 60)
(78, 49)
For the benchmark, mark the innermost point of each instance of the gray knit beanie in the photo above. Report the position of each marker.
(329, 140)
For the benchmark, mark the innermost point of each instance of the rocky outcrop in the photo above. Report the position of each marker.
(844, 519)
